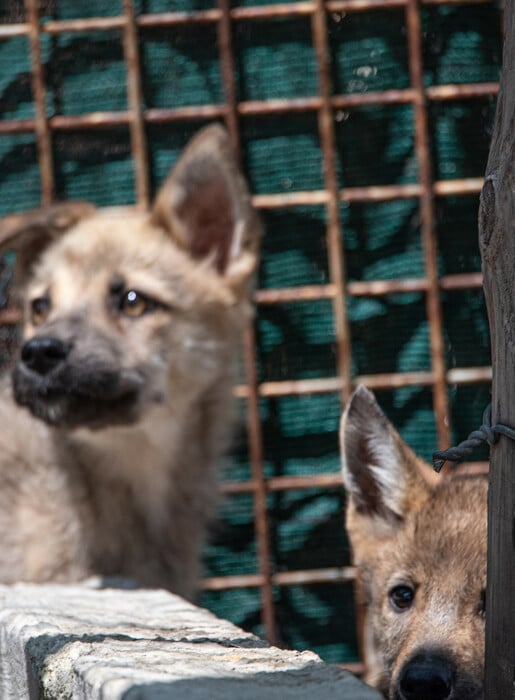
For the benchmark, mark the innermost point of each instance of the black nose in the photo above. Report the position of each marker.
(426, 677)
(42, 354)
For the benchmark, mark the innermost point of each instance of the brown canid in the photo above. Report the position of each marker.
(108, 456)
(419, 545)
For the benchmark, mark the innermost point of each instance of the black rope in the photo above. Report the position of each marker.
(487, 433)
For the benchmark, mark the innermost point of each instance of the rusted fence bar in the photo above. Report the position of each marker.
(256, 108)
(39, 91)
(326, 127)
(428, 226)
(135, 100)
(254, 428)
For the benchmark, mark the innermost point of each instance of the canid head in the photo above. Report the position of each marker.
(125, 311)
(419, 543)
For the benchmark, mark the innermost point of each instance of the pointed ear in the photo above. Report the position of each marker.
(382, 475)
(29, 234)
(205, 205)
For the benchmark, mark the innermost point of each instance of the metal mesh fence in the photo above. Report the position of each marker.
(363, 127)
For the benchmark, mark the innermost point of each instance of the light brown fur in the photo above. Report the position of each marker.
(412, 529)
(119, 476)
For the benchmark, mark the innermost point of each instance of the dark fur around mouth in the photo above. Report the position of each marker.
(71, 398)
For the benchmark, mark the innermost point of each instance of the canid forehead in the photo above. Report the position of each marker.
(446, 538)
(129, 246)
(454, 516)
(111, 240)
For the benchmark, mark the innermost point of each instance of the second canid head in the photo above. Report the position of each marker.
(419, 544)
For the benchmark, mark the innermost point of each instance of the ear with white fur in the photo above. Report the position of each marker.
(382, 476)
(205, 205)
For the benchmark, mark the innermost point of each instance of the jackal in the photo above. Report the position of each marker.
(122, 387)
(419, 544)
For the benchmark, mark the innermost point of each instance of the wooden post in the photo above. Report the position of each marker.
(497, 244)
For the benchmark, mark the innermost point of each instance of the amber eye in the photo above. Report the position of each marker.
(134, 304)
(39, 310)
(401, 597)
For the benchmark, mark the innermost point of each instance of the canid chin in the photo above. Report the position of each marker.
(65, 400)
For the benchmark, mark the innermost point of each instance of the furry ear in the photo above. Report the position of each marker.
(382, 476)
(29, 234)
(205, 206)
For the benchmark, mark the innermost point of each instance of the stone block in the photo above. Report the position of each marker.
(83, 642)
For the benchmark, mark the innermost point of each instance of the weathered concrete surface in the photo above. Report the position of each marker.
(63, 642)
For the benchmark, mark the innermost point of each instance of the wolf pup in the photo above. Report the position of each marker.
(123, 383)
(419, 545)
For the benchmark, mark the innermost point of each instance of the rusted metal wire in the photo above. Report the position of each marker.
(427, 215)
(393, 380)
(254, 430)
(135, 99)
(255, 439)
(39, 91)
(256, 108)
(330, 480)
(281, 10)
(334, 227)
(285, 483)
(8, 31)
(343, 574)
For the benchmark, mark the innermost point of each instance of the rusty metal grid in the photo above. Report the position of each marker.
(232, 112)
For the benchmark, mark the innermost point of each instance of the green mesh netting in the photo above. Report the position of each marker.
(375, 146)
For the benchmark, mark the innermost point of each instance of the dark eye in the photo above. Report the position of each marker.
(134, 304)
(39, 310)
(401, 597)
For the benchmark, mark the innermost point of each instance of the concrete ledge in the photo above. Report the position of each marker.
(79, 642)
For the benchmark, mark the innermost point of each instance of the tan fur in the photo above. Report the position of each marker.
(119, 478)
(408, 527)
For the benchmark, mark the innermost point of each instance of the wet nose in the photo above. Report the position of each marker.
(426, 677)
(42, 354)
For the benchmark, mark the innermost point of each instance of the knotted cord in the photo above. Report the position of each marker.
(486, 433)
